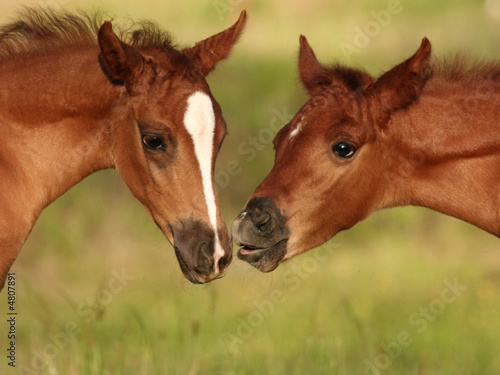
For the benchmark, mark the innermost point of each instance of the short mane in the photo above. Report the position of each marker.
(38, 31)
(465, 69)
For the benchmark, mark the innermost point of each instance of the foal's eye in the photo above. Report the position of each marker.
(153, 142)
(344, 149)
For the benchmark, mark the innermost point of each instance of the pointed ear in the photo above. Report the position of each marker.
(315, 76)
(210, 51)
(121, 62)
(402, 85)
(312, 73)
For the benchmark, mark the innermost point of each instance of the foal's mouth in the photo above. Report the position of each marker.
(264, 259)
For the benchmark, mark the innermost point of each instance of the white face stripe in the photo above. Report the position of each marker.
(199, 121)
(296, 131)
(298, 127)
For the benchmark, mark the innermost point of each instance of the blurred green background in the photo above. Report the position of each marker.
(408, 291)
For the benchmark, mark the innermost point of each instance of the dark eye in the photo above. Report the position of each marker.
(344, 149)
(153, 142)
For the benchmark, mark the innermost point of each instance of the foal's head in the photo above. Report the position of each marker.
(165, 139)
(326, 175)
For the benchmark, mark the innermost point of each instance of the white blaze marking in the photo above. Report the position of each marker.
(298, 127)
(199, 121)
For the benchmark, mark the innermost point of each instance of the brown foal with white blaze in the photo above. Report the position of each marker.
(424, 134)
(76, 97)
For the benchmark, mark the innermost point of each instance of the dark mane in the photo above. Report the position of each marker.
(38, 31)
(465, 69)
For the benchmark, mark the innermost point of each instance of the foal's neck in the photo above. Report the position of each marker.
(449, 152)
(55, 114)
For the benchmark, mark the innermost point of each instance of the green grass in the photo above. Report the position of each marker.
(331, 310)
(372, 296)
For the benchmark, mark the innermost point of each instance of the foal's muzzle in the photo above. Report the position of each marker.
(195, 248)
(261, 232)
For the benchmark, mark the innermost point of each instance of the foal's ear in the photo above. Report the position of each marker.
(315, 76)
(402, 85)
(121, 61)
(210, 51)
(312, 73)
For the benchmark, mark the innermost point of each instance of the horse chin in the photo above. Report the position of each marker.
(265, 260)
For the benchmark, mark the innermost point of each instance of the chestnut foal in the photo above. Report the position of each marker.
(421, 134)
(76, 97)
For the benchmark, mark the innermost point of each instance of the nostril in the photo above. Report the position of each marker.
(263, 221)
(242, 215)
(259, 226)
(204, 261)
(224, 262)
